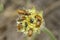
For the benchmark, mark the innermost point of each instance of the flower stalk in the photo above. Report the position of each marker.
(49, 33)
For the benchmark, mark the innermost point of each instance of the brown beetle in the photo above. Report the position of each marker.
(38, 17)
(30, 32)
(22, 18)
(24, 12)
(19, 26)
(38, 23)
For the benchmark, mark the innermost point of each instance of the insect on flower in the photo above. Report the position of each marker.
(19, 26)
(38, 20)
(30, 23)
(30, 32)
(23, 12)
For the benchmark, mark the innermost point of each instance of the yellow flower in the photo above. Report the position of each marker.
(32, 23)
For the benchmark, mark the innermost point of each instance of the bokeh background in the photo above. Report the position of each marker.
(8, 15)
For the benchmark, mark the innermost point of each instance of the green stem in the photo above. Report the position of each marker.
(47, 31)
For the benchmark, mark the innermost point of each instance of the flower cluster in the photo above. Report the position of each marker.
(29, 21)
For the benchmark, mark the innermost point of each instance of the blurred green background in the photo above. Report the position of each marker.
(8, 15)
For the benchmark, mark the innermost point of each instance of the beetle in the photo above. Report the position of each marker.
(23, 12)
(38, 22)
(30, 32)
(19, 26)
